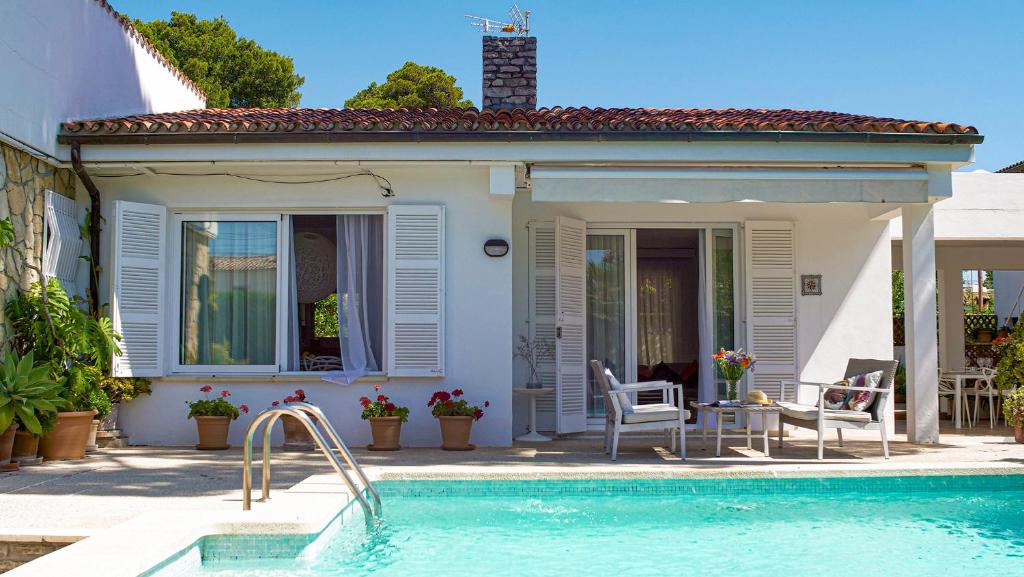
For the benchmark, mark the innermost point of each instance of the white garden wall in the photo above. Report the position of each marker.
(71, 59)
(478, 316)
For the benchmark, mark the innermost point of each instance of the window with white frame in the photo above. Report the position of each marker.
(347, 294)
(229, 292)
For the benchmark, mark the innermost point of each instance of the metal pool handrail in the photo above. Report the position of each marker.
(317, 414)
(302, 415)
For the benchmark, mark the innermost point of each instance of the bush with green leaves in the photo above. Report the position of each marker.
(77, 348)
(1010, 370)
(215, 406)
(1013, 408)
(27, 393)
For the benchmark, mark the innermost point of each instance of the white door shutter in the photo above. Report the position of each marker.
(570, 327)
(138, 289)
(416, 291)
(771, 303)
(62, 256)
(542, 312)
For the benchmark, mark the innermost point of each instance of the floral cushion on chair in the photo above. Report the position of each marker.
(835, 398)
(861, 400)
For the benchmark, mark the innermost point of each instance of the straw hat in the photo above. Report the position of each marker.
(757, 397)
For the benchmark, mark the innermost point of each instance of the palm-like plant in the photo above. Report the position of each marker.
(26, 392)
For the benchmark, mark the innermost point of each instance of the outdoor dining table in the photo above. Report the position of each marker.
(960, 377)
(748, 410)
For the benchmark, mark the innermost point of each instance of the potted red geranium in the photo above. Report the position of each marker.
(456, 418)
(296, 437)
(385, 419)
(213, 416)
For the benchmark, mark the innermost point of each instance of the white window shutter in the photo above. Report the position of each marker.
(771, 303)
(415, 291)
(138, 289)
(571, 326)
(62, 256)
(542, 312)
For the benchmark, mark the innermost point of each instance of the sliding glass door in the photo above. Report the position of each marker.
(660, 301)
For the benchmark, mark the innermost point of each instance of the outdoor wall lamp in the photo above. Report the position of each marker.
(496, 247)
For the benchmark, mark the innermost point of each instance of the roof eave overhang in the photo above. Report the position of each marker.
(513, 136)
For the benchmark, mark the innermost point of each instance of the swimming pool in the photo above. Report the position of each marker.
(953, 525)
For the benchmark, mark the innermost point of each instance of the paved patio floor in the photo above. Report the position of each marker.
(111, 486)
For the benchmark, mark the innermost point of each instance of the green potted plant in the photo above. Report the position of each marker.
(26, 393)
(120, 390)
(213, 416)
(456, 417)
(99, 402)
(1010, 349)
(1013, 410)
(385, 419)
(78, 349)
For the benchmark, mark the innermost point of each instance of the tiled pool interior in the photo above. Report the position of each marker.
(973, 524)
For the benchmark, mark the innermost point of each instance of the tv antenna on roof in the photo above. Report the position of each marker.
(519, 24)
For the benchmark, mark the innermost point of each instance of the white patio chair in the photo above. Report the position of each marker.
(947, 388)
(321, 363)
(984, 389)
(820, 418)
(622, 416)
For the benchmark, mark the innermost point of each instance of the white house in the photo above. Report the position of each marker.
(645, 238)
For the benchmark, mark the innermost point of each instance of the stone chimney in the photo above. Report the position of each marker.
(510, 72)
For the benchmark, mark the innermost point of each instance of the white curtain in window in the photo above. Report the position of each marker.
(659, 304)
(706, 376)
(360, 296)
(293, 348)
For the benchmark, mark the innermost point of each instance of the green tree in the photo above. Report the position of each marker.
(412, 86)
(234, 72)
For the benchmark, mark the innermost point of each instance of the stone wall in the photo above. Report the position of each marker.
(510, 72)
(23, 178)
(18, 550)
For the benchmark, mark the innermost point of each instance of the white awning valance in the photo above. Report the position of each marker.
(632, 184)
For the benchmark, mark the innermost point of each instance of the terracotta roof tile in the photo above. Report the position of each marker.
(471, 120)
(1013, 168)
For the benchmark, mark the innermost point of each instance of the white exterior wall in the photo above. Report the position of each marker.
(70, 59)
(478, 313)
(1006, 287)
(842, 242)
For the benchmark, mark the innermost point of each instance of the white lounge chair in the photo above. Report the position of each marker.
(622, 416)
(819, 418)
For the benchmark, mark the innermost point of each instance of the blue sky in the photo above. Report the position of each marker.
(952, 61)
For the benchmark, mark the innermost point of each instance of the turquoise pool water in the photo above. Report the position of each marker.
(898, 526)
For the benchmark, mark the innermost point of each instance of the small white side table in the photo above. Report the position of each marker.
(533, 435)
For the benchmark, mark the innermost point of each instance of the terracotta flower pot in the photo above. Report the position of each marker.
(68, 438)
(296, 437)
(213, 433)
(26, 446)
(1018, 433)
(90, 443)
(455, 433)
(7, 443)
(387, 432)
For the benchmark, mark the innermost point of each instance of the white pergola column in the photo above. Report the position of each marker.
(952, 344)
(920, 324)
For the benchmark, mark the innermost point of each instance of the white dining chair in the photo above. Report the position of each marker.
(984, 389)
(947, 388)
